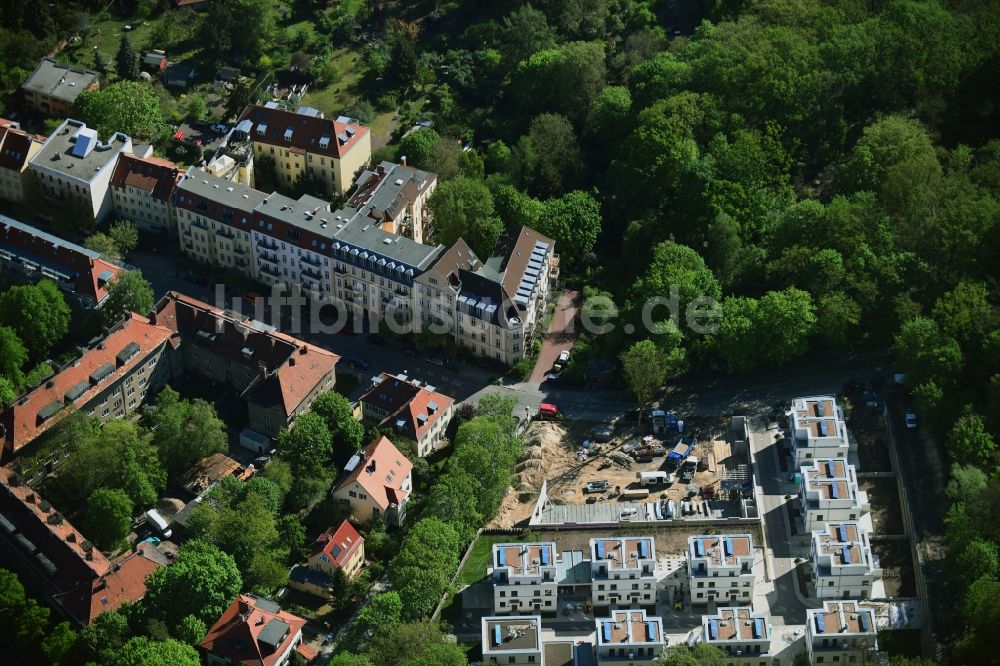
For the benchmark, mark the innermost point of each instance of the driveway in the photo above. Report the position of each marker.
(560, 335)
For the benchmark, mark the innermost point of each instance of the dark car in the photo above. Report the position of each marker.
(409, 351)
(376, 339)
(433, 360)
(358, 362)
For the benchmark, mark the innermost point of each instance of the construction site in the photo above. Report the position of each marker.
(697, 471)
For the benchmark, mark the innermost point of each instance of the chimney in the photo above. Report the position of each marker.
(244, 606)
(291, 362)
(380, 170)
(402, 160)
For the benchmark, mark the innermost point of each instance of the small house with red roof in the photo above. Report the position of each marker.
(337, 548)
(17, 147)
(254, 632)
(142, 190)
(410, 408)
(377, 483)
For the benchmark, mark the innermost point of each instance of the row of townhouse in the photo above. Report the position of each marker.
(277, 375)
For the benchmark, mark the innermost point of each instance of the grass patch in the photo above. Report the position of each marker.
(382, 124)
(336, 99)
(482, 552)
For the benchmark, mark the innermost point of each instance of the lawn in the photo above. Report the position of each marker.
(338, 98)
(482, 551)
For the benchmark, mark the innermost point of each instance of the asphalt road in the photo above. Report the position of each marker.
(558, 338)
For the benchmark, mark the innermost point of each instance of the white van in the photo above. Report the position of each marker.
(159, 524)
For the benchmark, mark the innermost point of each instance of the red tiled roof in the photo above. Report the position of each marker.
(235, 635)
(307, 652)
(125, 582)
(22, 422)
(403, 399)
(339, 544)
(306, 131)
(14, 147)
(150, 174)
(382, 473)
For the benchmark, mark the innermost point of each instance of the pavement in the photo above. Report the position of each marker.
(559, 337)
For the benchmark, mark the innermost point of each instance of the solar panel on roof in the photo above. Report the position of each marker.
(545, 557)
(834, 492)
(651, 631)
(541, 245)
(84, 143)
(600, 550)
(643, 549)
(842, 533)
(502, 557)
(727, 546)
(496, 634)
(606, 628)
(845, 554)
(822, 428)
(864, 622)
(758, 628)
(699, 548)
(820, 623)
(713, 630)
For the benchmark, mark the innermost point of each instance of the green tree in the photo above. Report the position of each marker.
(838, 317)
(645, 368)
(926, 353)
(103, 243)
(7, 393)
(125, 235)
(423, 568)
(608, 119)
(887, 143)
(128, 292)
(196, 108)
(307, 446)
(969, 442)
(348, 659)
(38, 314)
(552, 135)
(403, 61)
(677, 268)
(202, 582)
(246, 27)
(108, 517)
(384, 610)
(247, 531)
(268, 490)
(564, 80)
(965, 312)
(185, 431)
(58, 644)
(966, 482)
(524, 32)
(440, 655)
(13, 356)
(463, 207)
(190, 630)
(515, 208)
(127, 60)
(453, 500)
(786, 319)
(418, 147)
(574, 222)
(129, 107)
(976, 558)
(347, 432)
(143, 650)
(699, 655)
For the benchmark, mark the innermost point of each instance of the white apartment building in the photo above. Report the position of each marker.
(843, 563)
(841, 632)
(830, 494)
(623, 571)
(395, 197)
(629, 637)
(817, 429)
(745, 636)
(214, 218)
(512, 640)
(720, 568)
(73, 164)
(142, 190)
(524, 578)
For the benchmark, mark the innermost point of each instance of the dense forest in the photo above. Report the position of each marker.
(829, 171)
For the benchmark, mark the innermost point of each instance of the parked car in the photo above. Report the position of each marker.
(410, 351)
(564, 356)
(871, 399)
(220, 128)
(911, 419)
(358, 362)
(597, 486)
(376, 339)
(434, 360)
(603, 433)
(179, 135)
(548, 411)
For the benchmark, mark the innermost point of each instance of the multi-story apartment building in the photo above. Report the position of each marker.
(629, 637)
(142, 190)
(490, 307)
(623, 571)
(332, 151)
(254, 631)
(214, 219)
(843, 563)
(52, 87)
(412, 409)
(512, 640)
(744, 636)
(73, 164)
(82, 274)
(395, 197)
(524, 578)
(17, 147)
(377, 483)
(841, 632)
(110, 380)
(340, 549)
(817, 429)
(720, 568)
(830, 493)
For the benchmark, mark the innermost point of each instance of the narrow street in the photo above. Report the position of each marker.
(559, 337)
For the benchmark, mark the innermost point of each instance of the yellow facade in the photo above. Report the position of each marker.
(338, 174)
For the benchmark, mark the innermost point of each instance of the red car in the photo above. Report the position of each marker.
(179, 135)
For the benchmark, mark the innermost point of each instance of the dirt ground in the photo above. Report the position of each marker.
(869, 430)
(897, 568)
(884, 499)
(553, 453)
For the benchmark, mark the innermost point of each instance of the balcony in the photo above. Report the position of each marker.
(312, 272)
(223, 232)
(312, 262)
(270, 258)
(200, 224)
(266, 244)
(187, 231)
(273, 272)
(340, 269)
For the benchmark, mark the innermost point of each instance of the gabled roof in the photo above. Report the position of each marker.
(450, 263)
(308, 133)
(337, 545)
(381, 472)
(154, 175)
(15, 145)
(407, 401)
(252, 632)
(37, 411)
(125, 582)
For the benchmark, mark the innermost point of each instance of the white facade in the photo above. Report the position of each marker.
(841, 632)
(843, 563)
(629, 637)
(743, 635)
(817, 429)
(623, 571)
(74, 165)
(830, 494)
(524, 578)
(512, 640)
(720, 568)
